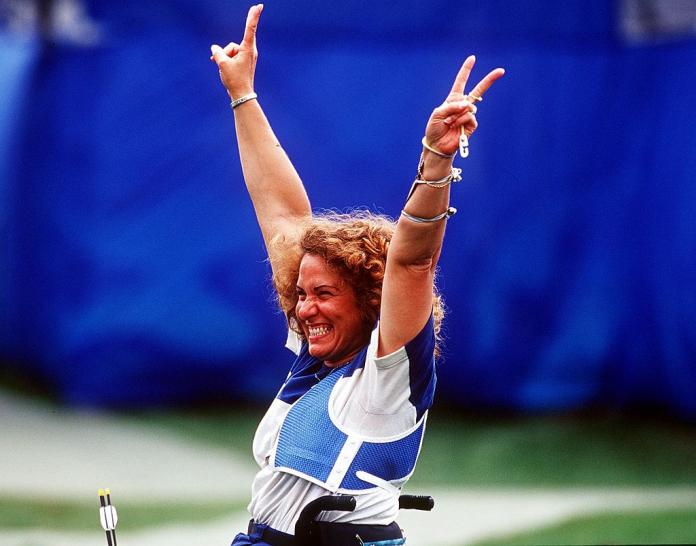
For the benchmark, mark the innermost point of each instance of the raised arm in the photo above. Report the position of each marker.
(407, 292)
(276, 191)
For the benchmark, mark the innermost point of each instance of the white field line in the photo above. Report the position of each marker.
(47, 453)
(463, 516)
(215, 533)
(460, 517)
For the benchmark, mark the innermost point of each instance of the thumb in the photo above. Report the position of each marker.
(217, 54)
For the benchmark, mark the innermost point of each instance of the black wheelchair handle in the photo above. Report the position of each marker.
(342, 503)
(416, 502)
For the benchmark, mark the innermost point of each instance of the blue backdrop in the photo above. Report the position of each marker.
(132, 269)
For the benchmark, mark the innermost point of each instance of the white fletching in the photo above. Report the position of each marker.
(108, 517)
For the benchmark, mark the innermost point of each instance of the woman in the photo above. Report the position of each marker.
(350, 416)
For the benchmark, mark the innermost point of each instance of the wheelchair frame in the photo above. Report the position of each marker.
(306, 529)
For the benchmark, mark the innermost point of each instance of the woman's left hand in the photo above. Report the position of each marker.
(458, 110)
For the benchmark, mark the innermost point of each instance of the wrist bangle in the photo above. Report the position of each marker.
(455, 175)
(435, 151)
(242, 100)
(451, 211)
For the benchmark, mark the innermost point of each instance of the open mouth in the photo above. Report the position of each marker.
(316, 332)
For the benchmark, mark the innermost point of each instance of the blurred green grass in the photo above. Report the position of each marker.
(22, 513)
(644, 527)
(472, 450)
(602, 450)
(561, 450)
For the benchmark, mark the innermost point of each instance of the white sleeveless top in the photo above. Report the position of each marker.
(382, 397)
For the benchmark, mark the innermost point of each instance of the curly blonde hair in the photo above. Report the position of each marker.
(355, 244)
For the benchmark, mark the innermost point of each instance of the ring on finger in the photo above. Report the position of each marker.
(474, 98)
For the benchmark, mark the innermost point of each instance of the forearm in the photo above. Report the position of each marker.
(275, 188)
(419, 243)
(407, 290)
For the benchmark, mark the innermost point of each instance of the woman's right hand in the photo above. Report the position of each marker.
(237, 62)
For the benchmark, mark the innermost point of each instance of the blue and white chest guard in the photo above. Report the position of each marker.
(312, 446)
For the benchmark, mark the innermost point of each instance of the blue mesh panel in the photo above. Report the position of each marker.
(309, 442)
(389, 461)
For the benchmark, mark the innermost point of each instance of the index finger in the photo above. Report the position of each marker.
(252, 23)
(463, 75)
(486, 82)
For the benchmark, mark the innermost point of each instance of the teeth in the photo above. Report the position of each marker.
(318, 330)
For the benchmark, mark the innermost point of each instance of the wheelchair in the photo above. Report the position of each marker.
(307, 527)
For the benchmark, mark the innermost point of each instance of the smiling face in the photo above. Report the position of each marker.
(328, 312)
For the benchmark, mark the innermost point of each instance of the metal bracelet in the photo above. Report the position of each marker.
(242, 100)
(451, 211)
(455, 175)
(435, 150)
